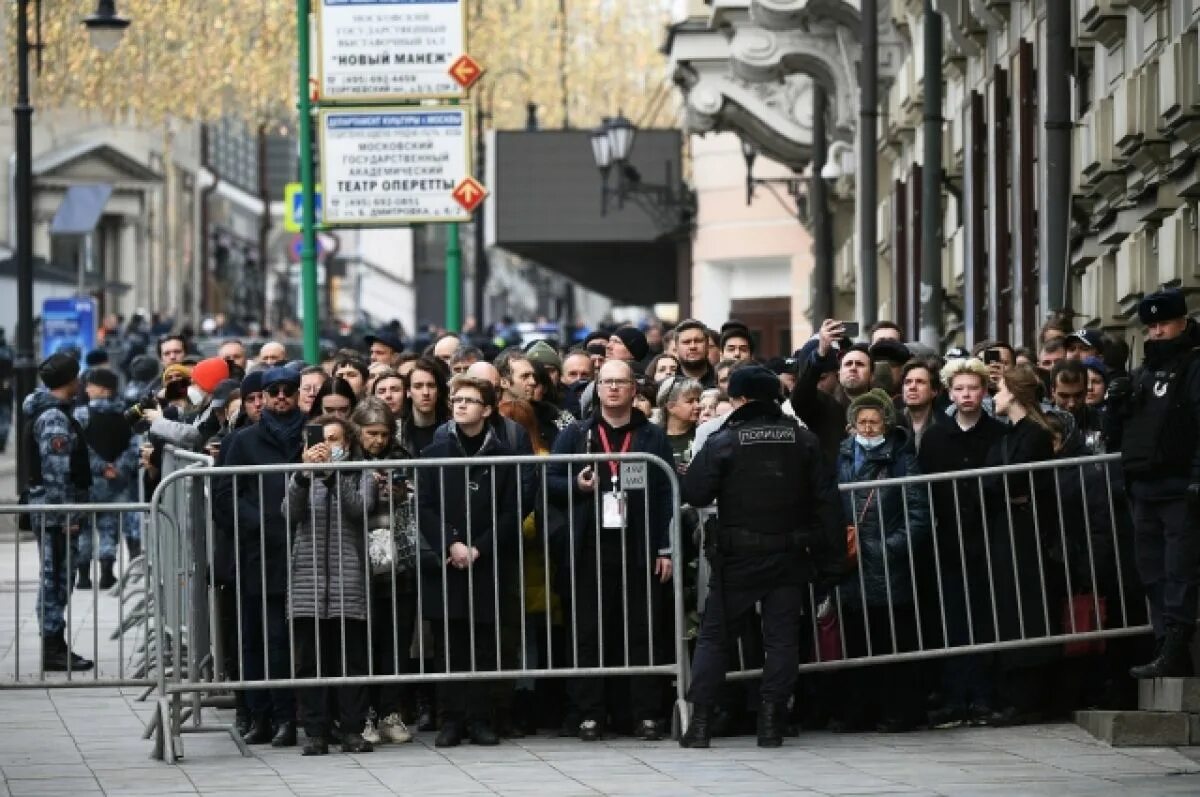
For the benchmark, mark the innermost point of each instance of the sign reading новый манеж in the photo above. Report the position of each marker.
(394, 165)
(390, 49)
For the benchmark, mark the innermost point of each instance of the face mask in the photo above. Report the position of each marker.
(337, 453)
(869, 443)
(195, 394)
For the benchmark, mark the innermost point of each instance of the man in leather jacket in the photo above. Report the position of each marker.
(1154, 420)
(779, 527)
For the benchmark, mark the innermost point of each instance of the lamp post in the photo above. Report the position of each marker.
(105, 28)
(482, 117)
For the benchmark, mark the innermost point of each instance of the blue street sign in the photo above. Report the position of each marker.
(293, 201)
(68, 323)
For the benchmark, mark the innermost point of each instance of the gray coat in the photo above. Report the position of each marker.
(329, 567)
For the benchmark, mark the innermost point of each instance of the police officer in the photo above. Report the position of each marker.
(779, 527)
(59, 474)
(1155, 422)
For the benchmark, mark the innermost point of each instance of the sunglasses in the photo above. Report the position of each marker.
(282, 389)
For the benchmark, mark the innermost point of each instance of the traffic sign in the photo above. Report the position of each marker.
(469, 193)
(391, 50)
(395, 165)
(465, 71)
(293, 207)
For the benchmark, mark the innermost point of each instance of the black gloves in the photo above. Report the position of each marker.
(1120, 390)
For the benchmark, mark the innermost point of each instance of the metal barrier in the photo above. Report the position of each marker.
(274, 563)
(990, 560)
(45, 563)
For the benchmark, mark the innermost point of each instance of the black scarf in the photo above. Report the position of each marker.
(107, 434)
(284, 429)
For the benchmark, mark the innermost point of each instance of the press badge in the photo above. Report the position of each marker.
(612, 510)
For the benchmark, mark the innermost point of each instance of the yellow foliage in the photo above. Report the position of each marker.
(204, 59)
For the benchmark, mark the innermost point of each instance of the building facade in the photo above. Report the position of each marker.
(1067, 162)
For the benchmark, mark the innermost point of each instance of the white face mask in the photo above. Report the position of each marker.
(869, 443)
(196, 395)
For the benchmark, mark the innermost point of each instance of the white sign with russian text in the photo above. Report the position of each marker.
(390, 49)
(394, 165)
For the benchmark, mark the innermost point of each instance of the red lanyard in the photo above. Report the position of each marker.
(612, 466)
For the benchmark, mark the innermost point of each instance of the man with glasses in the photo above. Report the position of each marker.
(609, 534)
(249, 511)
(312, 379)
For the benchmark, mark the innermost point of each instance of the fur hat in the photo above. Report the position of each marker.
(1162, 306)
(874, 399)
(754, 383)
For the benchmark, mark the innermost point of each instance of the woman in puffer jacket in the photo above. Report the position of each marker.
(893, 527)
(328, 590)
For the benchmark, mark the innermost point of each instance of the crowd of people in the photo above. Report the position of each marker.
(330, 571)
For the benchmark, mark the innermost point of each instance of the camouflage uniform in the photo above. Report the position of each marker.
(120, 489)
(56, 438)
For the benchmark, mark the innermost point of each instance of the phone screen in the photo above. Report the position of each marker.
(852, 328)
(313, 433)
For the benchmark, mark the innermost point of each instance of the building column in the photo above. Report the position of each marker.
(126, 260)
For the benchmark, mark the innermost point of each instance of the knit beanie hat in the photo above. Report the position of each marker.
(875, 399)
(635, 341)
(57, 370)
(209, 373)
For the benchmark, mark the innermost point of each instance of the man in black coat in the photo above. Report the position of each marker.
(1154, 421)
(963, 443)
(824, 413)
(614, 539)
(779, 526)
(253, 516)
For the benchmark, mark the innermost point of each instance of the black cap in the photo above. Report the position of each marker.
(144, 368)
(892, 351)
(1091, 338)
(634, 340)
(280, 374)
(387, 338)
(57, 370)
(253, 382)
(755, 383)
(95, 357)
(221, 393)
(102, 377)
(1162, 306)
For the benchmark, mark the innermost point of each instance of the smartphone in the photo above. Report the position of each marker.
(992, 356)
(313, 433)
(852, 329)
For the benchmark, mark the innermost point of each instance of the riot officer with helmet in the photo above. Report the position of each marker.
(779, 527)
(1155, 422)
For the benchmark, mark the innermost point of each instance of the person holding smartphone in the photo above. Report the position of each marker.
(825, 413)
(328, 590)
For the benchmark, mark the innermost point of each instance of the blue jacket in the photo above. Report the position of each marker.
(891, 545)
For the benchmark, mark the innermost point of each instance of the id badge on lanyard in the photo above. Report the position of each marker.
(614, 504)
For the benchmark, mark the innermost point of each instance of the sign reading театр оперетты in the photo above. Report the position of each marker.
(390, 49)
(394, 165)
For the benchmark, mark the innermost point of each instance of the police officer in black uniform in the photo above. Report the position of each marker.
(1155, 422)
(779, 527)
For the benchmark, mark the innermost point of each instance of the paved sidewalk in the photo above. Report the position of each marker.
(88, 742)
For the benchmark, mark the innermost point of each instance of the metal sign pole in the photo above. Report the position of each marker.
(308, 246)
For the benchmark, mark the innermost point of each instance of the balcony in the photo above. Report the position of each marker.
(1103, 20)
(1177, 247)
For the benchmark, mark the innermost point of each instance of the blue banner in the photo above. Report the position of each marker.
(68, 324)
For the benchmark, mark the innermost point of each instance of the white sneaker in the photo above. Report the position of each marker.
(393, 729)
(369, 733)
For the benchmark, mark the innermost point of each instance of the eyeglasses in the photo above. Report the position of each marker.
(281, 389)
(456, 400)
(615, 384)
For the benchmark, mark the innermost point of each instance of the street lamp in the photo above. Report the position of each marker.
(105, 28)
(832, 170)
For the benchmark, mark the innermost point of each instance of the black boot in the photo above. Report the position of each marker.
(771, 722)
(260, 731)
(134, 547)
(107, 579)
(84, 581)
(451, 734)
(355, 743)
(57, 657)
(425, 714)
(699, 731)
(316, 745)
(481, 734)
(285, 735)
(1174, 659)
(242, 722)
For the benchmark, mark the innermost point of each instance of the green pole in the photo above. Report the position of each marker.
(308, 247)
(453, 279)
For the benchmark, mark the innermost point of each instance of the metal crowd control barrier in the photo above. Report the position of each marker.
(980, 561)
(275, 563)
(44, 566)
